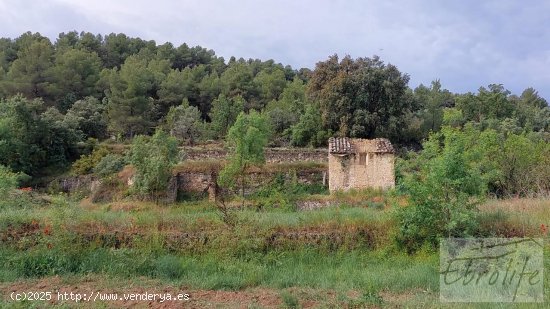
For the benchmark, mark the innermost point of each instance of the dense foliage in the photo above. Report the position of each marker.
(360, 98)
(443, 193)
(153, 158)
(56, 98)
(248, 138)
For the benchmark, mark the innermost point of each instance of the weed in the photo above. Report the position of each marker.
(289, 300)
(168, 266)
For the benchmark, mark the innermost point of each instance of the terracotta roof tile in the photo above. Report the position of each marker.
(383, 145)
(340, 145)
(345, 145)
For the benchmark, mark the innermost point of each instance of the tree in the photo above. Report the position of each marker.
(129, 102)
(522, 166)
(176, 87)
(209, 88)
(431, 102)
(66, 41)
(184, 122)
(27, 74)
(87, 116)
(159, 69)
(294, 96)
(33, 137)
(224, 112)
(153, 158)
(248, 138)
(8, 52)
(75, 72)
(309, 130)
(91, 43)
(532, 111)
(492, 103)
(118, 47)
(271, 84)
(360, 98)
(237, 80)
(192, 57)
(285, 112)
(281, 119)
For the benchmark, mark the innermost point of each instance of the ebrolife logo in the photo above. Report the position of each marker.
(491, 270)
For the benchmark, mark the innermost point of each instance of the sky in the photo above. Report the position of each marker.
(465, 44)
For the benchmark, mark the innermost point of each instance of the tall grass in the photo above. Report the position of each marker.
(353, 270)
(333, 248)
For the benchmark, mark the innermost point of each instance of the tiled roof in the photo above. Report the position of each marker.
(345, 145)
(340, 145)
(383, 145)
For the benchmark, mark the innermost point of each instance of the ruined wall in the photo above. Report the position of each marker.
(195, 180)
(381, 170)
(339, 171)
(272, 155)
(375, 170)
(203, 183)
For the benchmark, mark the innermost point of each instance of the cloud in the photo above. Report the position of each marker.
(467, 44)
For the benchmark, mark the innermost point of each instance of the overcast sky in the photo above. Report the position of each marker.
(464, 43)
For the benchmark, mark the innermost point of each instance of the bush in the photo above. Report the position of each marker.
(153, 158)
(86, 163)
(109, 165)
(8, 181)
(443, 196)
(278, 193)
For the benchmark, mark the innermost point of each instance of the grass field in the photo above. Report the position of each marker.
(342, 256)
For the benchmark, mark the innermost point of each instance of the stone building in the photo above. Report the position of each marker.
(360, 163)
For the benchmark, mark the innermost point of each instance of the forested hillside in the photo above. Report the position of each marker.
(58, 99)
(100, 191)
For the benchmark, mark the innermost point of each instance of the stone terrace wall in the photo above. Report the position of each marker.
(202, 183)
(272, 155)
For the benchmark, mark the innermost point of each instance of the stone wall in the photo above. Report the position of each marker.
(197, 175)
(364, 168)
(272, 155)
(204, 183)
(380, 170)
(191, 182)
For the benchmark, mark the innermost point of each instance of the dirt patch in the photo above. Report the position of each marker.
(393, 297)
(197, 298)
(264, 298)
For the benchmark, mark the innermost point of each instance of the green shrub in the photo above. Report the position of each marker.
(443, 196)
(275, 194)
(9, 197)
(153, 157)
(109, 165)
(86, 163)
(8, 181)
